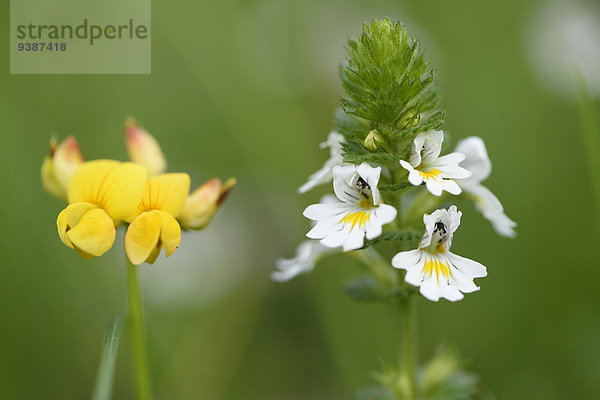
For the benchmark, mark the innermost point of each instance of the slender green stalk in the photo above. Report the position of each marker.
(106, 370)
(377, 266)
(408, 355)
(138, 338)
(425, 202)
(591, 135)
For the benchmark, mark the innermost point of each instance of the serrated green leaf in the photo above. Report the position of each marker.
(403, 234)
(395, 187)
(350, 126)
(374, 158)
(434, 121)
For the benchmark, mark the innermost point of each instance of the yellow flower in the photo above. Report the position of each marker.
(101, 194)
(202, 205)
(60, 165)
(154, 225)
(143, 148)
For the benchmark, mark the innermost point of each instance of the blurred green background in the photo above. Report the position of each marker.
(247, 88)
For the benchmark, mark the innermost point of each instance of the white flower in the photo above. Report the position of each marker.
(426, 165)
(357, 213)
(334, 142)
(431, 267)
(307, 254)
(477, 161)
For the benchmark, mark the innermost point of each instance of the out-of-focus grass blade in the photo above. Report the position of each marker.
(591, 134)
(106, 369)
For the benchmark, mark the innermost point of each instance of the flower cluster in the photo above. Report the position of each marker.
(102, 194)
(386, 157)
(357, 212)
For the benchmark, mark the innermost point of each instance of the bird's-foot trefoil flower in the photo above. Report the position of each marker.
(60, 165)
(358, 213)
(334, 142)
(143, 148)
(307, 255)
(432, 267)
(478, 163)
(101, 194)
(154, 225)
(203, 203)
(426, 165)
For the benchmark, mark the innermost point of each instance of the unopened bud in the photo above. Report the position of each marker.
(374, 139)
(143, 148)
(60, 165)
(203, 203)
(409, 119)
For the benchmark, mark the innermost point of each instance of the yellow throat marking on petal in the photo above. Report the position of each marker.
(359, 218)
(433, 265)
(365, 203)
(440, 248)
(431, 174)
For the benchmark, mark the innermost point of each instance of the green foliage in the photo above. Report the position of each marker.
(367, 289)
(441, 378)
(390, 88)
(403, 235)
(106, 370)
(396, 187)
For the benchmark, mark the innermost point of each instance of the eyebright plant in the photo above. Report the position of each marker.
(151, 205)
(390, 175)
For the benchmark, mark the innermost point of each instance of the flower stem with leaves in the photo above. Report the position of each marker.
(389, 176)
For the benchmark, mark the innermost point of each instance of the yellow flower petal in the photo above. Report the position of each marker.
(67, 159)
(94, 235)
(49, 181)
(148, 233)
(166, 192)
(155, 253)
(142, 236)
(69, 218)
(114, 186)
(143, 148)
(171, 233)
(60, 165)
(202, 205)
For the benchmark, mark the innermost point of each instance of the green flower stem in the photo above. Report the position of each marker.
(378, 266)
(408, 355)
(138, 338)
(424, 203)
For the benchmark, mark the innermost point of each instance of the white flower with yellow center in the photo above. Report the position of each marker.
(426, 165)
(334, 142)
(478, 162)
(358, 212)
(432, 267)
